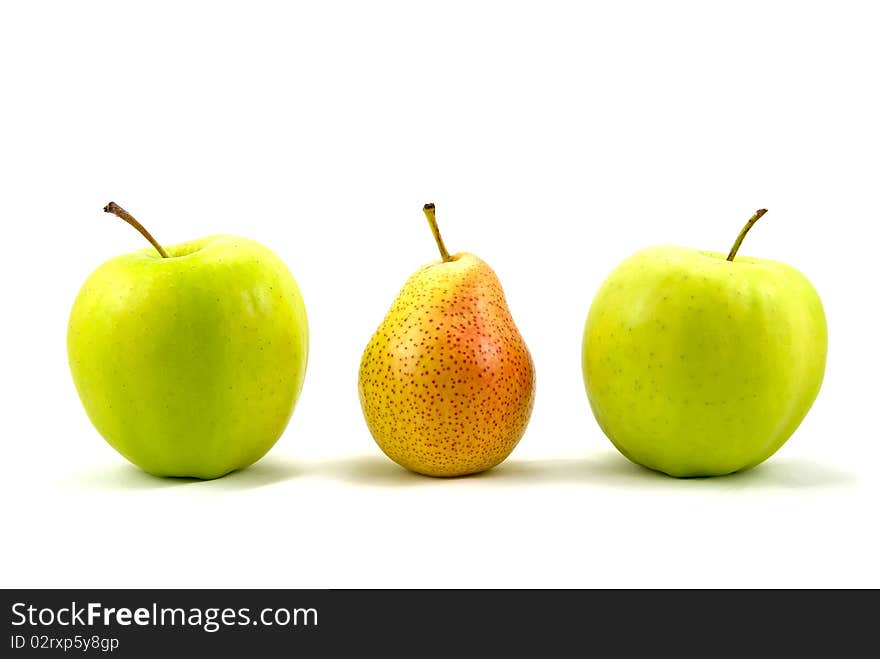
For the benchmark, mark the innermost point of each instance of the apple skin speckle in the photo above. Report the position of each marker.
(446, 383)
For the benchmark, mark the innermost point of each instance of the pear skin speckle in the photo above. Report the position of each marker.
(447, 383)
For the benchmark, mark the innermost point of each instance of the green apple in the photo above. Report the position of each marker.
(701, 365)
(189, 361)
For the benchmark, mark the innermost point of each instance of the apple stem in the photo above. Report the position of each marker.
(432, 220)
(742, 234)
(123, 214)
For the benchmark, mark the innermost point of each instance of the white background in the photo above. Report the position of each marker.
(556, 139)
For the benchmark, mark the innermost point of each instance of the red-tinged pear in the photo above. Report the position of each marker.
(447, 383)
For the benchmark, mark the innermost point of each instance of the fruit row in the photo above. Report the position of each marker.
(189, 359)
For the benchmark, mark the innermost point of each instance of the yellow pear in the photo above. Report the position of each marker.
(447, 383)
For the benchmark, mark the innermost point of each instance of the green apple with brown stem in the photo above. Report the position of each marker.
(697, 364)
(189, 359)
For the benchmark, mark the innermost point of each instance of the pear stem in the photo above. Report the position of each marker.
(123, 214)
(432, 220)
(742, 234)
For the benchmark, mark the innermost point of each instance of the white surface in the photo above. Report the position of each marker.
(555, 139)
